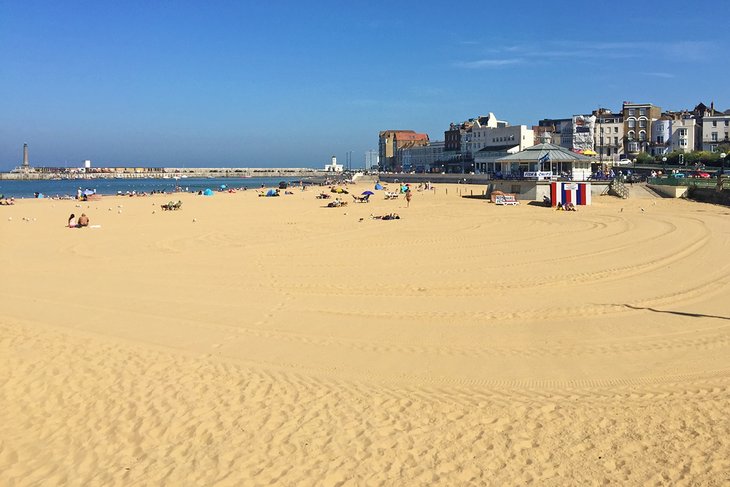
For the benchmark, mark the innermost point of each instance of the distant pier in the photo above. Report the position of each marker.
(45, 173)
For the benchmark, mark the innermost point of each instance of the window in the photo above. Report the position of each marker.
(714, 123)
(642, 136)
(660, 139)
(714, 136)
(615, 141)
(642, 111)
(632, 123)
(601, 130)
(631, 135)
(632, 112)
(615, 130)
(683, 142)
(642, 124)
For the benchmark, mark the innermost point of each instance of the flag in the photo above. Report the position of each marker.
(545, 158)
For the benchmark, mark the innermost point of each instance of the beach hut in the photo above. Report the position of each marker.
(578, 193)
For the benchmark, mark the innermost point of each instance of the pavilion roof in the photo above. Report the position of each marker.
(555, 153)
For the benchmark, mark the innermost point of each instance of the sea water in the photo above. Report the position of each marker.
(69, 187)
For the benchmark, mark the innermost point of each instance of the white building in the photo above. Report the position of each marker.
(493, 137)
(333, 166)
(715, 131)
(609, 138)
(583, 128)
(685, 134)
(661, 137)
(674, 132)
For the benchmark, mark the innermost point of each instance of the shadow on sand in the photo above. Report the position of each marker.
(680, 313)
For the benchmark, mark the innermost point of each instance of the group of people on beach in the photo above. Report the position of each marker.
(569, 206)
(82, 222)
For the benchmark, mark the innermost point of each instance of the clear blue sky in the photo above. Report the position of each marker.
(290, 83)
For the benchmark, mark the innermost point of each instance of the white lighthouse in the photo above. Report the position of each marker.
(333, 167)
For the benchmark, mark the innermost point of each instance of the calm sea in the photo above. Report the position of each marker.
(58, 188)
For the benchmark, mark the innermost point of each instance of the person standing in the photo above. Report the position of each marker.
(409, 195)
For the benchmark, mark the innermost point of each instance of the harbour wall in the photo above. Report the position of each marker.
(168, 173)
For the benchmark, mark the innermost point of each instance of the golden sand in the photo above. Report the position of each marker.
(271, 341)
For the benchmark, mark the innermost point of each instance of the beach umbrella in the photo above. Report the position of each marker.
(88, 192)
(378, 186)
(208, 192)
(367, 193)
(271, 192)
(223, 186)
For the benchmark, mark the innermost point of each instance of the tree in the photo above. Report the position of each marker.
(644, 158)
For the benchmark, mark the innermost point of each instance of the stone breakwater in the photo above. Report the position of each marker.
(164, 173)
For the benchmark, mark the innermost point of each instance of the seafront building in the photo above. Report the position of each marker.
(609, 135)
(559, 129)
(391, 144)
(715, 131)
(638, 118)
(546, 157)
(478, 144)
(675, 132)
(424, 158)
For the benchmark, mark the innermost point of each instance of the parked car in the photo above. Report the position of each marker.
(623, 162)
(677, 175)
(699, 174)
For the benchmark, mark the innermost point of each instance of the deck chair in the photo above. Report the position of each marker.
(361, 199)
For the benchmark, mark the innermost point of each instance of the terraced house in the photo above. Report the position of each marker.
(638, 118)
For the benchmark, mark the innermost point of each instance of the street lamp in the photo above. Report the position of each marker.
(664, 165)
(721, 171)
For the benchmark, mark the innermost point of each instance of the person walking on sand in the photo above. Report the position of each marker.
(409, 195)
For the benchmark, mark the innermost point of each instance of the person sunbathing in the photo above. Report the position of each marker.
(83, 221)
(389, 216)
(336, 203)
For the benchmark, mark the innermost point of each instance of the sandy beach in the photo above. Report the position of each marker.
(272, 341)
